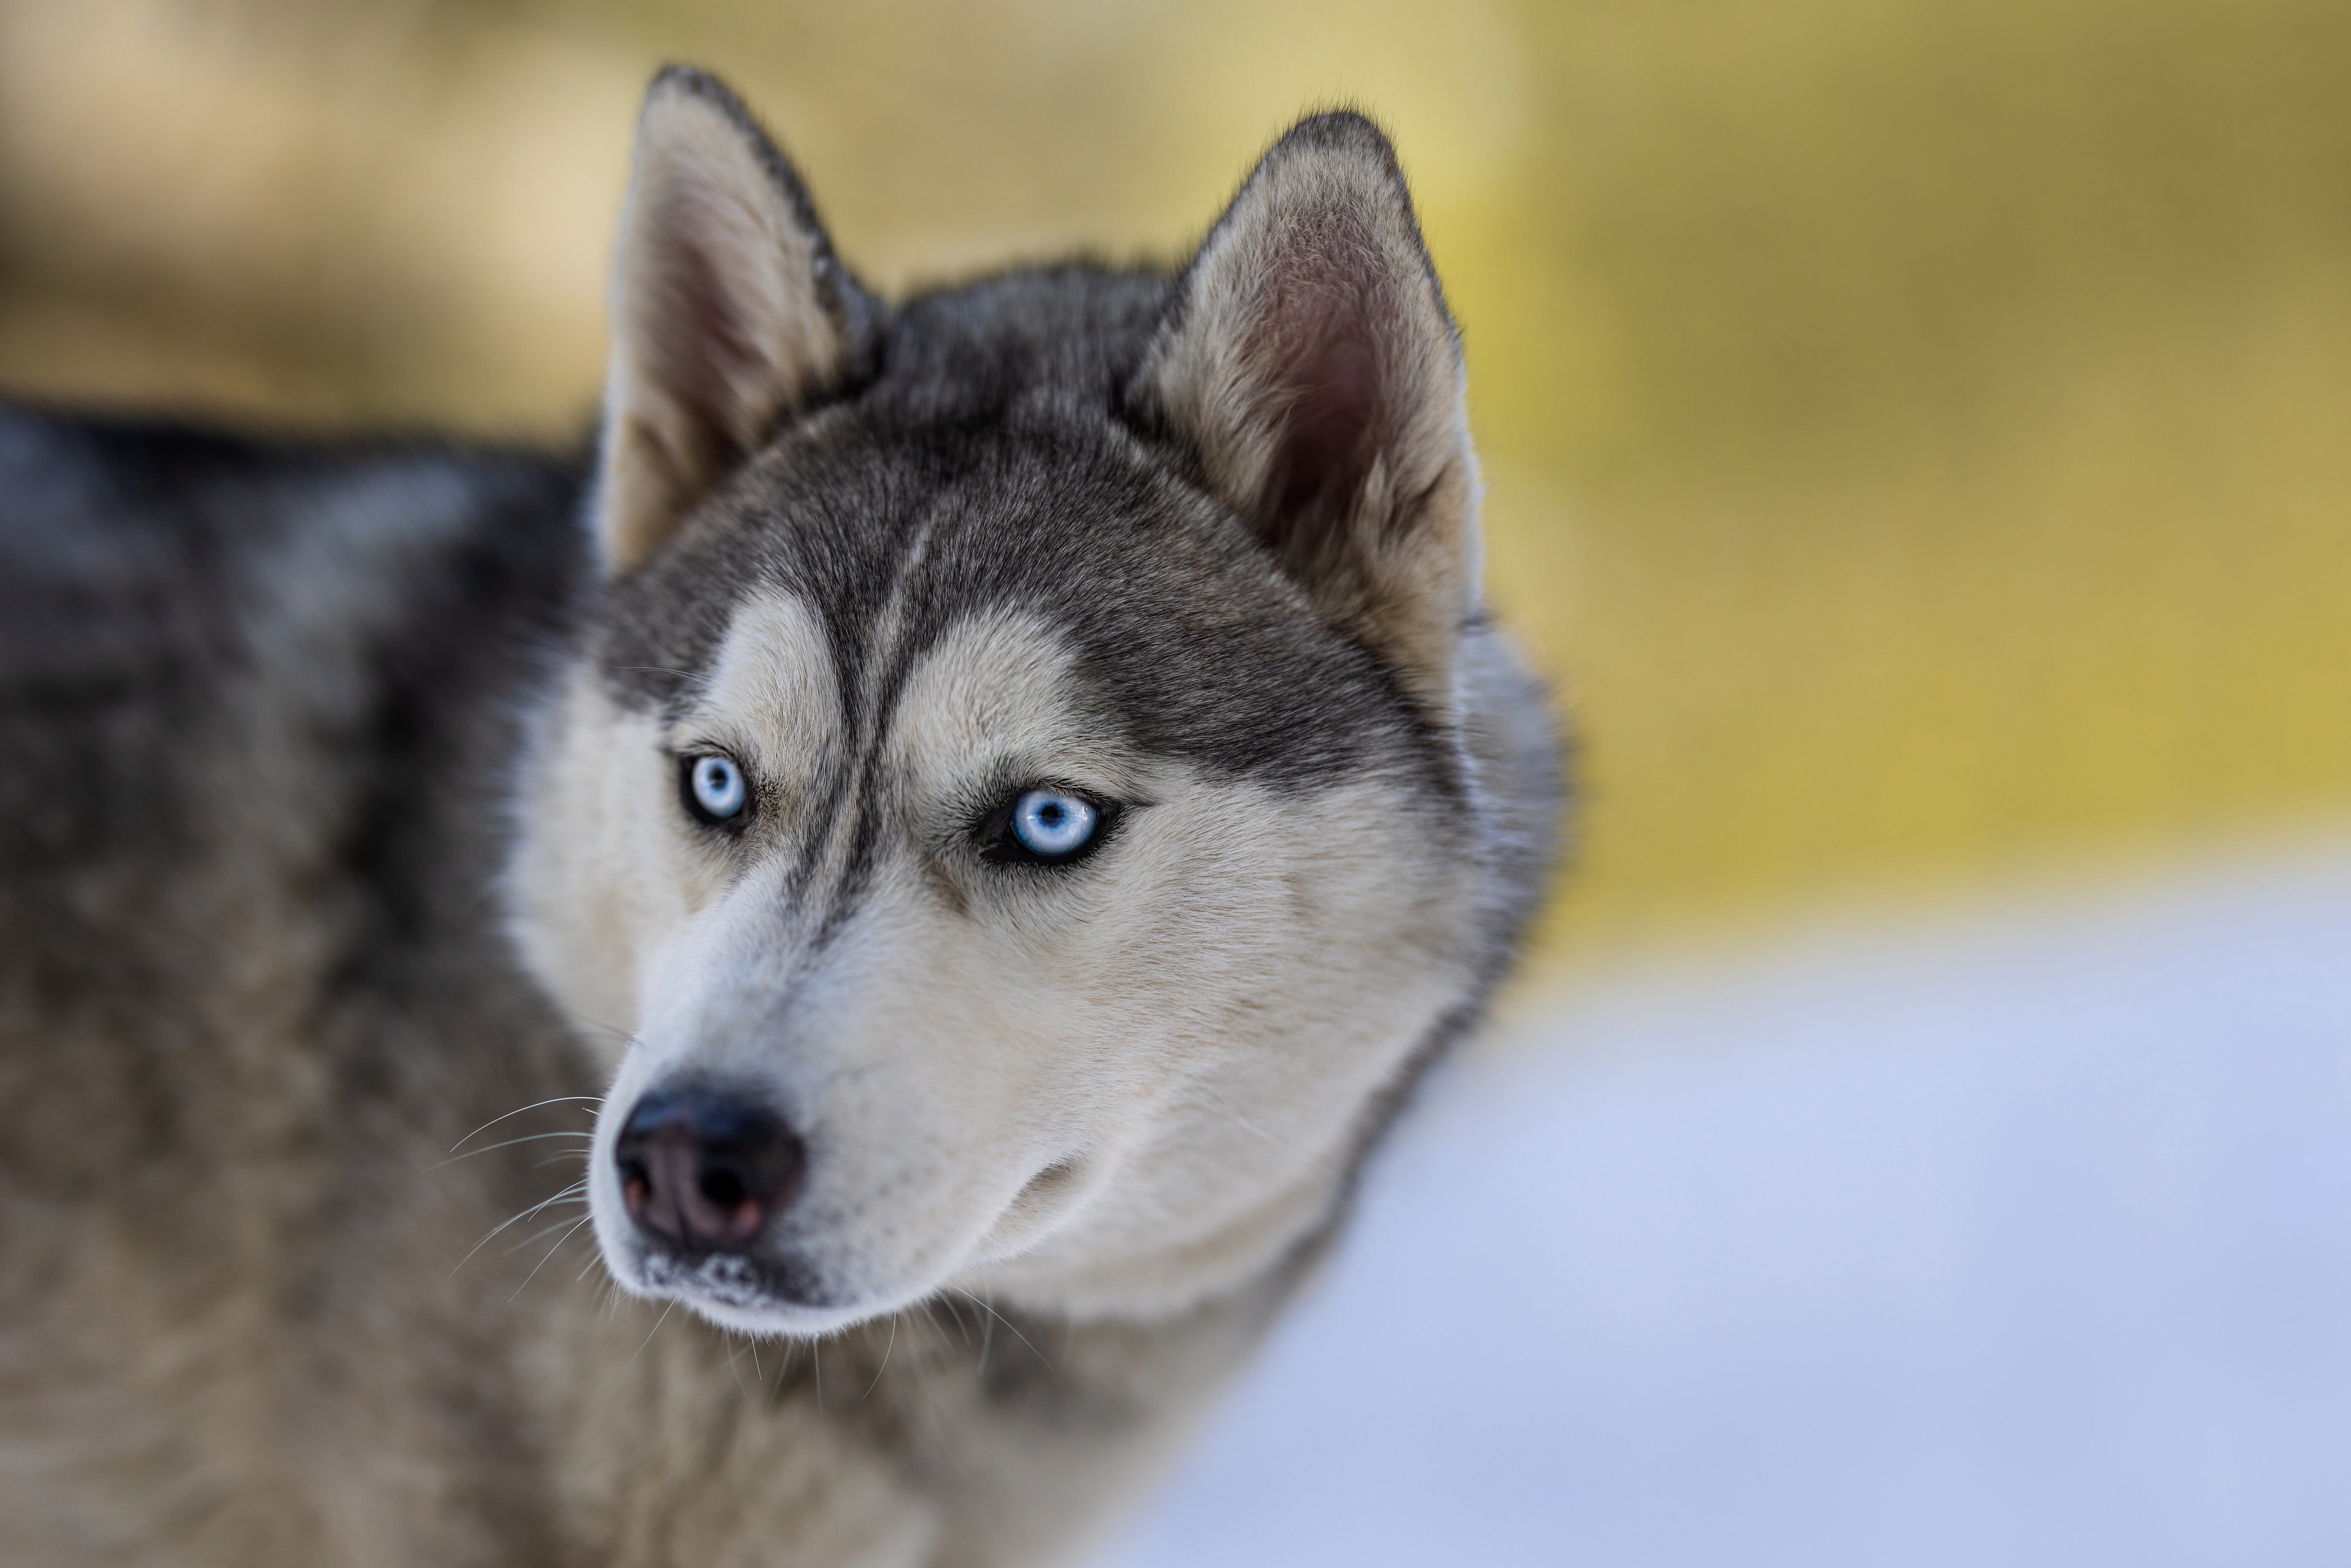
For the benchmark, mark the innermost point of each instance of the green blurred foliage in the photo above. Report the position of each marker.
(1916, 434)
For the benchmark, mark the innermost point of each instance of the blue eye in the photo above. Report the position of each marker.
(714, 788)
(1053, 824)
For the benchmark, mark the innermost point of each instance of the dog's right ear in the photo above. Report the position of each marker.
(1309, 360)
(729, 311)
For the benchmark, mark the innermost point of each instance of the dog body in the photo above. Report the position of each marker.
(969, 845)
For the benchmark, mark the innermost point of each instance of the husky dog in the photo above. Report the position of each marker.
(961, 855)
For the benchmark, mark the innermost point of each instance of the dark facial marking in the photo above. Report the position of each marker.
(986, 467)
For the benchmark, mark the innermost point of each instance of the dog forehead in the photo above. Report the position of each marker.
(889, 532)
(773, 674)
(998, 682)
(1001, 682)
(894, 534)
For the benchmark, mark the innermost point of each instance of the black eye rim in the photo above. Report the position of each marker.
(1000, 845)
(690, 758)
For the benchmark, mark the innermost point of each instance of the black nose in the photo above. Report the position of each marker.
(702, 1170)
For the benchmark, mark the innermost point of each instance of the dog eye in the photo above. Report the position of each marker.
(714, 788)
(1043, 826)
(1052, 825)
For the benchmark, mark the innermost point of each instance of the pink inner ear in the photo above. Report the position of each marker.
(1328, 401)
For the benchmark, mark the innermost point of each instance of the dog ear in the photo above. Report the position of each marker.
(729, 311)
(1310, 358)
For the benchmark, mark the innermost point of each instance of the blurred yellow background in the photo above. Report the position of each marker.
(1919, 435)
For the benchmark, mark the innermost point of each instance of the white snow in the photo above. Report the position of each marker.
(2022, 1237)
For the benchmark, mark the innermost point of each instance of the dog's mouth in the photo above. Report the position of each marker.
(767, 1289)
(750, 1292)
(738, 1280)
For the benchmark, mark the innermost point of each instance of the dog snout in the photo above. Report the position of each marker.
(702, 1170)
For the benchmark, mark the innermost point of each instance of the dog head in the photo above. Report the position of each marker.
(1006, 807)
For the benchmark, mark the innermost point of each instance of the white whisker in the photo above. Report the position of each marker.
(559, 1100)
(735, 1363)
(509, 1143)
(885, 1361)
(526, 1214)
(544, 1230)
(551, 1251)
(655, 1330)
(1008, 1324)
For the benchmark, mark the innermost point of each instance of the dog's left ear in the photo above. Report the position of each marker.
(1310, 358)
(729, 311)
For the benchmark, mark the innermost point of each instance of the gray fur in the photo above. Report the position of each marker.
(263, 713)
